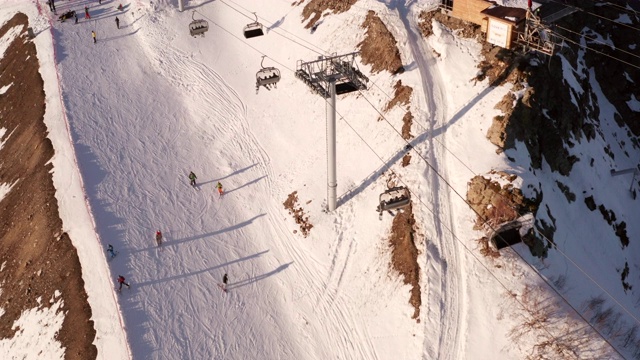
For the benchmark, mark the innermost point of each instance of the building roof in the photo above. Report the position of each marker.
(509, 14)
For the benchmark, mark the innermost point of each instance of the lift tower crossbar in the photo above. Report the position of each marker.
(328, 76)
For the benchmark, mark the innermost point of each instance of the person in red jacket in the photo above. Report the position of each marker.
(121, 281)
(159, 237)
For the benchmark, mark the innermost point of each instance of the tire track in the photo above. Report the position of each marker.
(447, 273)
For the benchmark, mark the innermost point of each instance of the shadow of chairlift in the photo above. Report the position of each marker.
(395, 198)
(267, 77)
(254, 29)
(198, 27)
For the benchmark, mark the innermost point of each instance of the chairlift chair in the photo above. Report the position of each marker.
(394, 198)
(254, 29)
(267, 77)
(198, 27)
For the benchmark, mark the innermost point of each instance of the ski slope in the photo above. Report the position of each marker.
(177, 104)
(148, 103)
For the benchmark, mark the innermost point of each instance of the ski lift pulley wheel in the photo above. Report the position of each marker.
(254, 29)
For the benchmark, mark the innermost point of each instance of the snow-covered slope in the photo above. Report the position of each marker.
(148, 103)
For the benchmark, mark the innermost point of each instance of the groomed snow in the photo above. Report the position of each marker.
(130, 116)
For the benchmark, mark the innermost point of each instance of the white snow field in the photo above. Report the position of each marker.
(148, 103)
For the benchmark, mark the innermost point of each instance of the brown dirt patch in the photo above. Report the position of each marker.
(315, 8)
(494, 203)
(379, 48)
(463, 29)
(298, 214)
(407, 121)
(404, 255)
(406, 160)
(39, 257)
(401, 95)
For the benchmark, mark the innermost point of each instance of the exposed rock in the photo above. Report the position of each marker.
(379, 48)
(591, 204)
(315, 9)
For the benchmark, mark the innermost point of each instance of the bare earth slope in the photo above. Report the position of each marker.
(38, 257)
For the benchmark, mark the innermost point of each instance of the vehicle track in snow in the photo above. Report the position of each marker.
(443, 269)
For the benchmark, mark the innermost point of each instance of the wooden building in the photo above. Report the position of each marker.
(501, 24)
(468, 10)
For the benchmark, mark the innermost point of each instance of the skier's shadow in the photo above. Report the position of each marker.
(247, 184)
(198, 272)
(230, 175)
(168, 242)
(118, 37)
(251, 280)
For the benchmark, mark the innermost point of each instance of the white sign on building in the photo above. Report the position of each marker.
(498, 33)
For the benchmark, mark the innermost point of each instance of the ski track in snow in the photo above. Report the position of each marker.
(326, 306)
(158, 189)
(178, 139)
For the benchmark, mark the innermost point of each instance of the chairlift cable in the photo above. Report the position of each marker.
(415, 196)
(596, 15)
(518, 212)
(485, 221)
(447, 184)
(246, 43)
(596, 51)
(636, 12)
(614, 47)
(322, 52)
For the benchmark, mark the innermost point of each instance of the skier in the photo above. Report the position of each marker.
(111, 251)
(225, 280)
(121, 281)
(75, 16)
(159, 237)
(86, 13)
(93, 34)
(117, 22)
(193, 178)
(120, 7)
(219, 187)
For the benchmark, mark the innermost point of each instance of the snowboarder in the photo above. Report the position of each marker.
(193, 178)
(117, 22)
(86, 13)
(219, 187)
(159, 237)
(111, 251)
(93, 34)
(121, 281)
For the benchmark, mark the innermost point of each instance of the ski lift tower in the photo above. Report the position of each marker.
(536, 36)
(328, 76)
